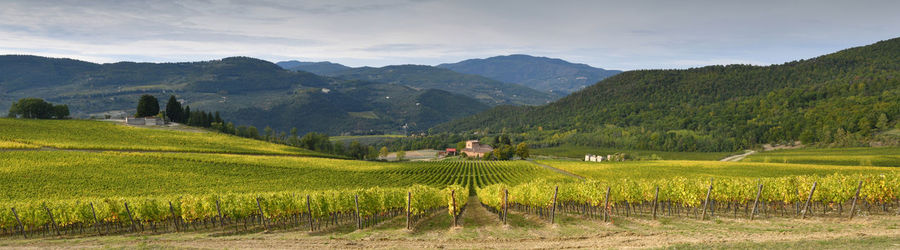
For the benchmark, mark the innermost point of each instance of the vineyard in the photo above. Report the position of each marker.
(82, 134)
(835, 195)
(884, 156)
(702, 169)
(206, 182)
(116, 192)
(315, 210)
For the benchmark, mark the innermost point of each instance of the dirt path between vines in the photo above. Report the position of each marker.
(556, 169)
(739, 157)
(481, 230)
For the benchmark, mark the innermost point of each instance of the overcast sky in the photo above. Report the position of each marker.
(609, 34)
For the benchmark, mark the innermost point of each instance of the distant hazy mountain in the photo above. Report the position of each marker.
(246, 91)
(487, 90)
(320, 68)
(541, 73)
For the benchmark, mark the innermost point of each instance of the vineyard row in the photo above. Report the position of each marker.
(699, 198)
(315, 211)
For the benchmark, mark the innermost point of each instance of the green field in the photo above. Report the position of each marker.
(874, 156)
(578, 152)
(82, 134)
(702, 169)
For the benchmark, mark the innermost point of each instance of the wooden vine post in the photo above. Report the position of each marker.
(358, 219)
(453, 204)
(94, 212)
(52, 221)
(408, 212)
(756, 202)
(655, 202)
(174, 217)
(21, 227)
(855, 198)
(553, 210)
(219, 210)
(606, 208)
(706, 203)
(262, 217)
(131, 218)
(309, 212)
(505, 205)
(808, 199)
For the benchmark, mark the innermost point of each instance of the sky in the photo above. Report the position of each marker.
(624, 35)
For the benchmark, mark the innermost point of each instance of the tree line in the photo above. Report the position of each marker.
(36, 108)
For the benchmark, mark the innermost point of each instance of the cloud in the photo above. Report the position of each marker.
(617, 35)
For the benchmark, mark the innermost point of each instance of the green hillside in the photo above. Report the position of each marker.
(484, 89)
(842, 99)
(319, 68)
(246, 91)
(541, 73)
(97, 135)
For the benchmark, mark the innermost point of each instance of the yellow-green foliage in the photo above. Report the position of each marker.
(883, 156)
(81, 134)
(16, 145)
(274, 205)
(707, 169)
(67, 174)
(831, 189)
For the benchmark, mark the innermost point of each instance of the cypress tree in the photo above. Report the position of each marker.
(174, 111)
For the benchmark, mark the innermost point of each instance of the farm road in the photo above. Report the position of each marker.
(556, 170)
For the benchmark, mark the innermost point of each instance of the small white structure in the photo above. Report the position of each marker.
(593, 158)
(144, 121)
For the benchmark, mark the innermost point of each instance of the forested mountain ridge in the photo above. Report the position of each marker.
(541, 73)
(319, 68)
(844, 98)
(487, 90)
(246, 91)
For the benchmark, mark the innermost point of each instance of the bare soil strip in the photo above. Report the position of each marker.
(739, 157)
(557, 170)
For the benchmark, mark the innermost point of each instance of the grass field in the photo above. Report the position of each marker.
(578, 152)
(710, 169)
(874, 156)
(82, 134)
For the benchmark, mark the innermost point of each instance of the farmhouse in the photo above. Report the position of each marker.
(144, 121)
(475, 149)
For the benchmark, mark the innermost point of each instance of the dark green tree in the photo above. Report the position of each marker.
(174, 110)
(186, 115)
(32, 108)
(147, 106)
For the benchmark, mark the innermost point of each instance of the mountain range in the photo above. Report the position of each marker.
(541, 73)
(845, 98)
(246, 91)
(311, 96)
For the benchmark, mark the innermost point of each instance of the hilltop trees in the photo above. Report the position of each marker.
(174, 111)
(36, 108)
(147, 106)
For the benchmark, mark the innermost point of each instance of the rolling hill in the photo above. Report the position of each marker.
(486, 90)
(541, 73)
(320, 68)
(246, 91)
(846, 98)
